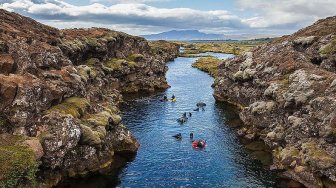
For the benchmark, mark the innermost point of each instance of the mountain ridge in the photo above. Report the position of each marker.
(183, 35)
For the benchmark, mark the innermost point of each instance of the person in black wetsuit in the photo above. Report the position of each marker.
(184, 115)
(178, 136)
(165, 98)
(191, 135)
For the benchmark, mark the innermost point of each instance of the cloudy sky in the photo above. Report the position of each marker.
(231, 17)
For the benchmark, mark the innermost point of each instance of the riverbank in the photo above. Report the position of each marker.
(164, 161)
(60, 93)
(285, 91)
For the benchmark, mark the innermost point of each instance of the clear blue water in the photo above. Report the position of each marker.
(163, 161)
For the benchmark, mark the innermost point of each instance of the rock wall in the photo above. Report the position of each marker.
(286, 93)
(59, 96)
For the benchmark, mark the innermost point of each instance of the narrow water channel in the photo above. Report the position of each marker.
(163, 161)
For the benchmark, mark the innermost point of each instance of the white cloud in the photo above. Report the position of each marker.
(128, 14)
(287, 13)
(132, 16)
(127, 1)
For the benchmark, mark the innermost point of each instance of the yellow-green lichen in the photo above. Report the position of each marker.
(74, 106)
(135, 57)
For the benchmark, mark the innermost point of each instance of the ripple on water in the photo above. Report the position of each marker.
(162, 161)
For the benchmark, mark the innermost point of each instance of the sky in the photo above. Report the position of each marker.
(257, 18)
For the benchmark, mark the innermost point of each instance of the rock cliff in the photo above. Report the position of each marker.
(59, 95)
(286, 91)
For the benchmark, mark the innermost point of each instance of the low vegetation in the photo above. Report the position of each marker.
(18, 164)
(208, 64)
(74, 106)
(228, 47)
(117, 64)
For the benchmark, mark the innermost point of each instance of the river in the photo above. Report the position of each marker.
(163, 161)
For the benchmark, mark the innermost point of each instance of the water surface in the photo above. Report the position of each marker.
(163, 161)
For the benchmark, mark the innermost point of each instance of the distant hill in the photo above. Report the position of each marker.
(183, 35)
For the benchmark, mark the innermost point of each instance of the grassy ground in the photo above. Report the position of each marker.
(208, 64)
(229, 47)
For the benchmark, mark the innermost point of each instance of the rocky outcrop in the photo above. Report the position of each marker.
(286, 92)
(59, 96)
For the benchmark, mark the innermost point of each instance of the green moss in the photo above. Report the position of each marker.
(115, 64)
(314, 151)
(99, 119)
(18, 166)
(132, 64)
(229, 47)
(89, 136)
(112, 109)
(74, 106)
(135, 57)
(92, 42)
(329, 49)
(317, 157)
(208, 64)
(74, 44)
(91, 62)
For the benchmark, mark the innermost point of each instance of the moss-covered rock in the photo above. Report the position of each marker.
(100, 119)
(317, 157)
(74, 106)
(89, 136)
(119, 64)
(288, 155)
(91, 62)
(135, 57)
(18, 164)
(329, 48)
(86, 72)
(104, 119)
(115, 64)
